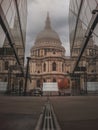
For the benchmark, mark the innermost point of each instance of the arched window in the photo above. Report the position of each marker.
(38, 83)
(53, 52)
(45, 51)
(20, 86)
(38, 71)
(44, 67)
(38, 52)
(54, 66)
(54, 80)
(44, 80)
(5, 79)
(6, 65)
(62, 67)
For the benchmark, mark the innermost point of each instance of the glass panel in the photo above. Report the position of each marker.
(5, 5)
(2, 37)
(95, 35)
(18, 29)
(87, 68)
(92, 4)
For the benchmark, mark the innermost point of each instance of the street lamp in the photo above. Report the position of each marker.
(26, 77)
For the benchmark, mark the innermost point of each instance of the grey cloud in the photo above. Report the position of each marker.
(37, 11)
(32, 1)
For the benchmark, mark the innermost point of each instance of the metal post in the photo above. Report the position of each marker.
(9, 80)
(86, 82)
(26, 77)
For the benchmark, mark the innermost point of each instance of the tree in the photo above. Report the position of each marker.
(64, 83)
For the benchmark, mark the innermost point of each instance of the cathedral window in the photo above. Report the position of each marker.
(44, 80)
(41, 52)
(0, 66)
(62, 67)
(5, 79)
(6, 65)
(35, 53)
(38, 52)
(54, 66)
(38, 83)
(38, 71)
(53, 51)
(54, 80)
(44, 67)
(45, 50)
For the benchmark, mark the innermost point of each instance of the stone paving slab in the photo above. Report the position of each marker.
(20, 113)
(73, 113)
(76, 113)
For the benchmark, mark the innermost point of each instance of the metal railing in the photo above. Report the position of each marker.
(47, 120)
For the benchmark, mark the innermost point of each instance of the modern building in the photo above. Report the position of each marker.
(48, 61)
(83, 27)
(13, 19)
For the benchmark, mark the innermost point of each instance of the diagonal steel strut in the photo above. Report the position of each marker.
(91, 27)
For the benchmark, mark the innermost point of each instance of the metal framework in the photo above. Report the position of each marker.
(6, 29)
(88, 34)
(76, 25)
(19, 23)
(26, 78)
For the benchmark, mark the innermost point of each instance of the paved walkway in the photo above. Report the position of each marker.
(20, 113)
(73, 113)
(76, 113)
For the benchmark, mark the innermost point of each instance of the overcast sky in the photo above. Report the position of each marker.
(37, 12)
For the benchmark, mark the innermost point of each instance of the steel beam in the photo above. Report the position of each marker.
(26, 77)
(5, 26)
(90, 29)
(18, 15)
(76, 25)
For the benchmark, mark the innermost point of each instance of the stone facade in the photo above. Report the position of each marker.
(87, 67)
(48, 61)
(12, 47)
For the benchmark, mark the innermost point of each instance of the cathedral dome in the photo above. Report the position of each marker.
(48, 32)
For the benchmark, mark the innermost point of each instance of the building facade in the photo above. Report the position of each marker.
(48, 61)
(83, 27)
(13, 19)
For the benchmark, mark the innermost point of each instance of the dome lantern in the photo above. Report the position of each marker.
(47, 32)
(48, 23)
